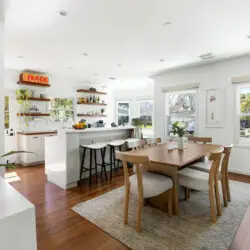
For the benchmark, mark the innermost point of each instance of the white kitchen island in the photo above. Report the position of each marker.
(63, 154)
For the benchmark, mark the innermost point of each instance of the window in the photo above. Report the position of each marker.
(146, 113)
(181, 106)
(7, 112)
(243, 113)
(123, 113)
(61, 109)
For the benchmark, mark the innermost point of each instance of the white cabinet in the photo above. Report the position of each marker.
(33, 143)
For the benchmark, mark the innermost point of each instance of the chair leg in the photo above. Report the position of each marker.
(217, 197)
(224, 190)
(228, 188)
(113, 154)
(186, 193)
(96, 171)
(126, 204)
(82, 165)
(139, 215)
(103, 162)
(110, 158)
(212, 205)
(90, 168)
(170, 204)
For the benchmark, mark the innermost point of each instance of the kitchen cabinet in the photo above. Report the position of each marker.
(33, 142)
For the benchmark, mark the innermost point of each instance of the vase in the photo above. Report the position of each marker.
(137, 133)
(180, 142)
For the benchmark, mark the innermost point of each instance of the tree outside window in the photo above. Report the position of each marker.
(146, 113)
(181, 106)
(123, 113)
(7, 112)
(61, 109)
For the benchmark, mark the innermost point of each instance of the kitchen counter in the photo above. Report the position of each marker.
(37, 132)
(63, 152)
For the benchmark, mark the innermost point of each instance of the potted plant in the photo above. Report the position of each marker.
(9, 165)
(179, 128)
(22, 96)
(136, 122)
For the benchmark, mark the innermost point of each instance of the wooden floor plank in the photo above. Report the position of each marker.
(58, 227)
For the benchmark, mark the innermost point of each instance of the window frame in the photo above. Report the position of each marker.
(167, 116)
(117, 114)
(242, 142)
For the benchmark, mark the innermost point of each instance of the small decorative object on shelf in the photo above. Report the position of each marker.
(179, 128)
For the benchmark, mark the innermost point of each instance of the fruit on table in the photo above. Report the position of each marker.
(80, 125)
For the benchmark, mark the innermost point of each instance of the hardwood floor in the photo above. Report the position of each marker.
(60, 228)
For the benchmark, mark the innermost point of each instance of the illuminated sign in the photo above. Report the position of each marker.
(34, 78)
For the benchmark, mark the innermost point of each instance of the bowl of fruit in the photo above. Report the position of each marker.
(80, 125)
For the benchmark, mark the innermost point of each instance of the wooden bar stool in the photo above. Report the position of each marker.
(93, 148)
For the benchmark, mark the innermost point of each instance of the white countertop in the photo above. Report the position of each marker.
(11, 201)
(94, 129)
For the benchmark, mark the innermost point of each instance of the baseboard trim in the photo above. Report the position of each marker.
(237, 171)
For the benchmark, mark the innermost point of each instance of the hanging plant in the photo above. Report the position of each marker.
(22, 96)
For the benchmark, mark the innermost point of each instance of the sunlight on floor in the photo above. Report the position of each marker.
(11, 177)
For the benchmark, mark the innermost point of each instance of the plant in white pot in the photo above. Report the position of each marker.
(9, 165)
(179, 128)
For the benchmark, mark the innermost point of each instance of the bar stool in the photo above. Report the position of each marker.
(93, 148)
(113, 145)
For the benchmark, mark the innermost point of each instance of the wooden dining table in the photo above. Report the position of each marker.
(169, 162)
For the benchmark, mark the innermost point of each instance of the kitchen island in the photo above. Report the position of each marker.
(63, 153)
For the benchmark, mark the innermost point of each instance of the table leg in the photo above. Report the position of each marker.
(160, 200)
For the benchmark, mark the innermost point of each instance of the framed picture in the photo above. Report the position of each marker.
(216, 108)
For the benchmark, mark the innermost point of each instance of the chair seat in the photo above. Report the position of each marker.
(116, 143)
(204, 167)
(193, 179)
(153, 184)
(95, 146)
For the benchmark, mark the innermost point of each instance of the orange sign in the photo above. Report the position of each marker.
(34, 78)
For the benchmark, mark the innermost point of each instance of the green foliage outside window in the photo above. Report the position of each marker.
(61, 109)
(6, 113)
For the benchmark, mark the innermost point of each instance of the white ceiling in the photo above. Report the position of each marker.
(125, 32)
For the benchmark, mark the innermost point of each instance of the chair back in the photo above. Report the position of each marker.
(215, 157)
(196, 139)
(137, 160)
(136, 144)
(153, 141)
(224, 166)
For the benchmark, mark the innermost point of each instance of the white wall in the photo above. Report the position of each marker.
(216, 75)
(1, 88)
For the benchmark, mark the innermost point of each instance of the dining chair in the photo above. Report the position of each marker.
(153, 141)
(196, 139)
(223, 172)
(202, 181)
(143, 184)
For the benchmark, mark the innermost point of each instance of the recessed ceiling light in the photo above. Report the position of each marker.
(95, 74)
(162, 60)
(119, 65)
(63, 12)
(112, 78)
(206, 56)
(70, 68)
(248, 36)
(166, 23)
(85, 54)
(20, 57)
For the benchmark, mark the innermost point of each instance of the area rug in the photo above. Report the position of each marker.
(191, 230)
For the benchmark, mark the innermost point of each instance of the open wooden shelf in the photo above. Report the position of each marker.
(34, 84)
(91, 115)
(38, 99)
(91, 92)
(91, 103)
(32, 114)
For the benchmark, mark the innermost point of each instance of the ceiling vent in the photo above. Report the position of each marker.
(112, 78)
(206, 56)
